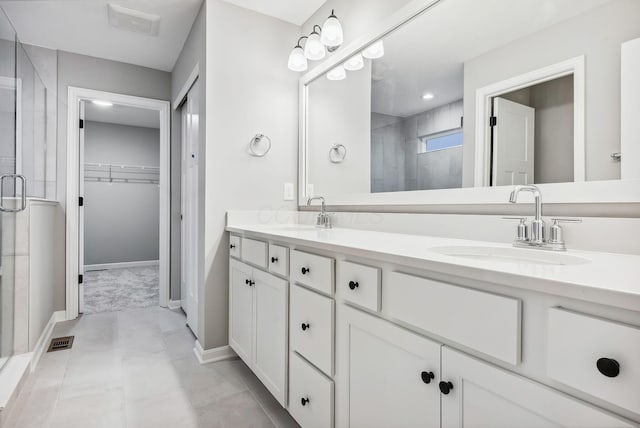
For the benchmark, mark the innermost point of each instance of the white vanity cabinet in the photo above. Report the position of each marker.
(258, 308)
(482, 395)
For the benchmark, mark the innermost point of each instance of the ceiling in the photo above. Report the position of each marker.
(122, 115)
(427, 55)
(294, 11)
(81, 26)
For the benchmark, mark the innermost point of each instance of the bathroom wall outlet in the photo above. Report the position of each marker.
(288, 192)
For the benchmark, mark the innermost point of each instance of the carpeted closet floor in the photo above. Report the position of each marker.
(121, 289)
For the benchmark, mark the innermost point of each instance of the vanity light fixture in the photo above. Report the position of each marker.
(428, 96)
(374, 51)
(314, 49)
(332, 35)
(337, 73)
(297, 60)
(354, 63)
(102, 103)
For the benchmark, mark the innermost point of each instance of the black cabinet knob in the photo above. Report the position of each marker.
(305, 270)
(608, 367)
(304, 401)
(246, 281)
(249, 282)
(274, 259)
(305, 326)
(353, 285)
(427, 376)
(232, 246)
(445, 387)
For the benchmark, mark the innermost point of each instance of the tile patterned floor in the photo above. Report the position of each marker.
(120, 289)
(137, 369)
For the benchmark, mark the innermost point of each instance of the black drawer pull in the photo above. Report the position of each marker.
(305, 270)
(445, 387)
(274, 259)
(353, 285)
(249, 282)
(304, 401)
(232, 246)
(427, 376)
(608, 367)
(305, 326)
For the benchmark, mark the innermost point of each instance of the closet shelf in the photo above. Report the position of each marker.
(119, 173)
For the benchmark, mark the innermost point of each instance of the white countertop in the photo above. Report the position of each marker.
(607, 278)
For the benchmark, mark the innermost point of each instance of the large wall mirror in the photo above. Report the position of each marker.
(469, 93)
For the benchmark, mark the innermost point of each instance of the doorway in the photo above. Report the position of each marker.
(117, 202)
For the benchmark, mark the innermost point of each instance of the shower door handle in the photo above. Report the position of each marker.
(23, 202)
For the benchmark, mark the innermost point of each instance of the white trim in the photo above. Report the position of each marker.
(177, 102)
(122, 265)
(45, 337)
(574, 66)
(175, 304)
(75, 95)
(213, 355)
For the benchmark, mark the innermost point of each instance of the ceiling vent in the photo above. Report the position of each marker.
(133, 20)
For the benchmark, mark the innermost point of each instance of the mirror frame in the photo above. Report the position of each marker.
(621, 191)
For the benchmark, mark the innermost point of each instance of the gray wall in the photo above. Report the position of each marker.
(193, 52)
(122, 220)
(553, 102)
(597, 35)
(249, 90)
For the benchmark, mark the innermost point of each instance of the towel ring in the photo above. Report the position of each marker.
(337, 153)
(255, 143)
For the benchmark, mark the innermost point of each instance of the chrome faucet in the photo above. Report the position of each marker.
(537, 240)
(324, 219)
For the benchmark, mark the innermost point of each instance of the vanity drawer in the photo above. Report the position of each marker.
(359, 284)
(234, 246)
(579, 346)
(254, 252)
(486, 322)
(308, 383)
(312, 270)
(278, 260)
(311, 327)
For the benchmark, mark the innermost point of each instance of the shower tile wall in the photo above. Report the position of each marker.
(396, 163)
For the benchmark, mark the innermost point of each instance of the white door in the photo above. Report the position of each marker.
(241, 286)
(389, 375)
(483, 396)
(270, 331)
(81, 208)
(189, 207)
(513, 143)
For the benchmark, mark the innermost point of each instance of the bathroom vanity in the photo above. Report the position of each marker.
(362, 328)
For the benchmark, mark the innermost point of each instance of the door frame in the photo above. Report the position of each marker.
(75, 95)
(484, 95)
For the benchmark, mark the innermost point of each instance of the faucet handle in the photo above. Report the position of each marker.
(566, 220)
(556, 230)
(523, 230)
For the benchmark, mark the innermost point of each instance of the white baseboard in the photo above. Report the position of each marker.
(122, 265)
(212, 355)
(175, 304)
(45, 337)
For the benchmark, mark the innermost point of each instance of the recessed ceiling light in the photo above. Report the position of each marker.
(428, 96)
(102, 103)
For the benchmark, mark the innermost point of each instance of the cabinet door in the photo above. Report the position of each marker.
(387, 376)
(241, 309)
(481, 395)
(270, 330)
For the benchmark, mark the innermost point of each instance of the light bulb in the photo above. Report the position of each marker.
(314, 49)
(374, 51)
(297, 60)
(338, 73)
(354, 63)
(332, 35)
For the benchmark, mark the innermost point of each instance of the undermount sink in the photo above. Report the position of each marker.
(512, 255)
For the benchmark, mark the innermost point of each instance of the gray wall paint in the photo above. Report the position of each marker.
(193, 52)
(122, 220)
(246, 93)
(597, 35)
(553, 102)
